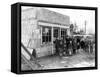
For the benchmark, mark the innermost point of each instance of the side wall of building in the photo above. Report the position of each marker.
(31, 34)
(28, 25)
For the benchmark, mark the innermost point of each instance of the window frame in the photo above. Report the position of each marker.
(46, 36)
(64, 32)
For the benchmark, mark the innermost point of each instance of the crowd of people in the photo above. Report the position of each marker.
(70, 45)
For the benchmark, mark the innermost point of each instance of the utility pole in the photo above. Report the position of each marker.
(85, 26)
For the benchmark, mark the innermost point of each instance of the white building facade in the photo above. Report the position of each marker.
(40, 27)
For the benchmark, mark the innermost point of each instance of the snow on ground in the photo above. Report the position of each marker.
(81, 59)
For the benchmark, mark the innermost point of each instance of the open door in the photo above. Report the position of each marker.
(56, 34)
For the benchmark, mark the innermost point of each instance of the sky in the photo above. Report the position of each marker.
(77, 16)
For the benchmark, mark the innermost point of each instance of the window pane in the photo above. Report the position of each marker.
(63, 33)
(55, 32)
(46, 34)
(43, 38)
(46, 38)
(49, 38)
(49, 32)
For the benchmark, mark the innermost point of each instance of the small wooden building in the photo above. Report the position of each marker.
(40, 26)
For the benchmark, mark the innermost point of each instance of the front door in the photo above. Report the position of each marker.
(56, 34)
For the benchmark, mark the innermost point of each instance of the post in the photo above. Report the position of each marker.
(60, 33)
(85, 26)
(52, 38)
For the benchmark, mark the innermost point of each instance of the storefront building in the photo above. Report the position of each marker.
(40, 27)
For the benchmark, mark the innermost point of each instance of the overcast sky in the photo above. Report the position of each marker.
(78, 16)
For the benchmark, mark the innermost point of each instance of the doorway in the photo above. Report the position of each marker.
(56, 34)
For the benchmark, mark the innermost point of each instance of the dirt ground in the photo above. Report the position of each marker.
(81, 59)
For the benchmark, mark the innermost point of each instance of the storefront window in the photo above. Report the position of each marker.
(46, 34)
(63, 33)
(56, 32)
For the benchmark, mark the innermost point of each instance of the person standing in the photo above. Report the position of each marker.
(82, 43)
(56, 42)
(67, 44)
(64, 47)
(74, 44)
(91, 47)
(61, 47)
(78, 43)
(70, 49)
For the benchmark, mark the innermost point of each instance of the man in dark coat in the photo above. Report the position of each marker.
(70, 49)
(56, 42)
(78, 43)
(74, 44)
(86, 46)
(82, 43)
(67, 44)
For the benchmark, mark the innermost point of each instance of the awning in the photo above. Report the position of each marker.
(52, 25)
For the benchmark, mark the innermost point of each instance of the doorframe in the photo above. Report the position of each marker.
(59, 35)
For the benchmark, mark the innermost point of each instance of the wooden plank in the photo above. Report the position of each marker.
(28, 63)
(33, 58)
